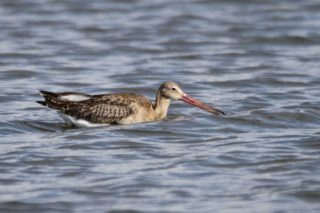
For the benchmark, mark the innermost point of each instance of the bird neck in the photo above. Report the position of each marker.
(161, 106)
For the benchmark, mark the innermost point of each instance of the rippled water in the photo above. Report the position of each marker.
(256, 60)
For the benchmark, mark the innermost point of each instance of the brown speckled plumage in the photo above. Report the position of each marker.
(99, 109)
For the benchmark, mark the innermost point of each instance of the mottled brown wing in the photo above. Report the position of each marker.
(101, 109)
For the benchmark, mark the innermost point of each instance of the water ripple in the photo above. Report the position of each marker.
(255, 60)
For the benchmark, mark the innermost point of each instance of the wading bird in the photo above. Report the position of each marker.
(83, 110)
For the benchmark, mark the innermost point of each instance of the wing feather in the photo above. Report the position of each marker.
(100, 110)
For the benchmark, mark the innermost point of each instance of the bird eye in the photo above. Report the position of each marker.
(173, 88)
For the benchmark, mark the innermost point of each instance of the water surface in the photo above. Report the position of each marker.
(256, 60)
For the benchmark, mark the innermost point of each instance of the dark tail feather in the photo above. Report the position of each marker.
(42, 103)
(51, 100)
(50, 94)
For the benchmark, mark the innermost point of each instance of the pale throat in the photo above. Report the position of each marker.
(161, 105)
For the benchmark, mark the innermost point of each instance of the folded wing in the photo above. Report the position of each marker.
(99, 109)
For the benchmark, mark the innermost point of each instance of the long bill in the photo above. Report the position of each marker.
(188, 99)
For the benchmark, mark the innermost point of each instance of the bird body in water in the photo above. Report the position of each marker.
(83, 110)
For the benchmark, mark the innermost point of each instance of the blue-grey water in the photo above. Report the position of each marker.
(259, 61)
